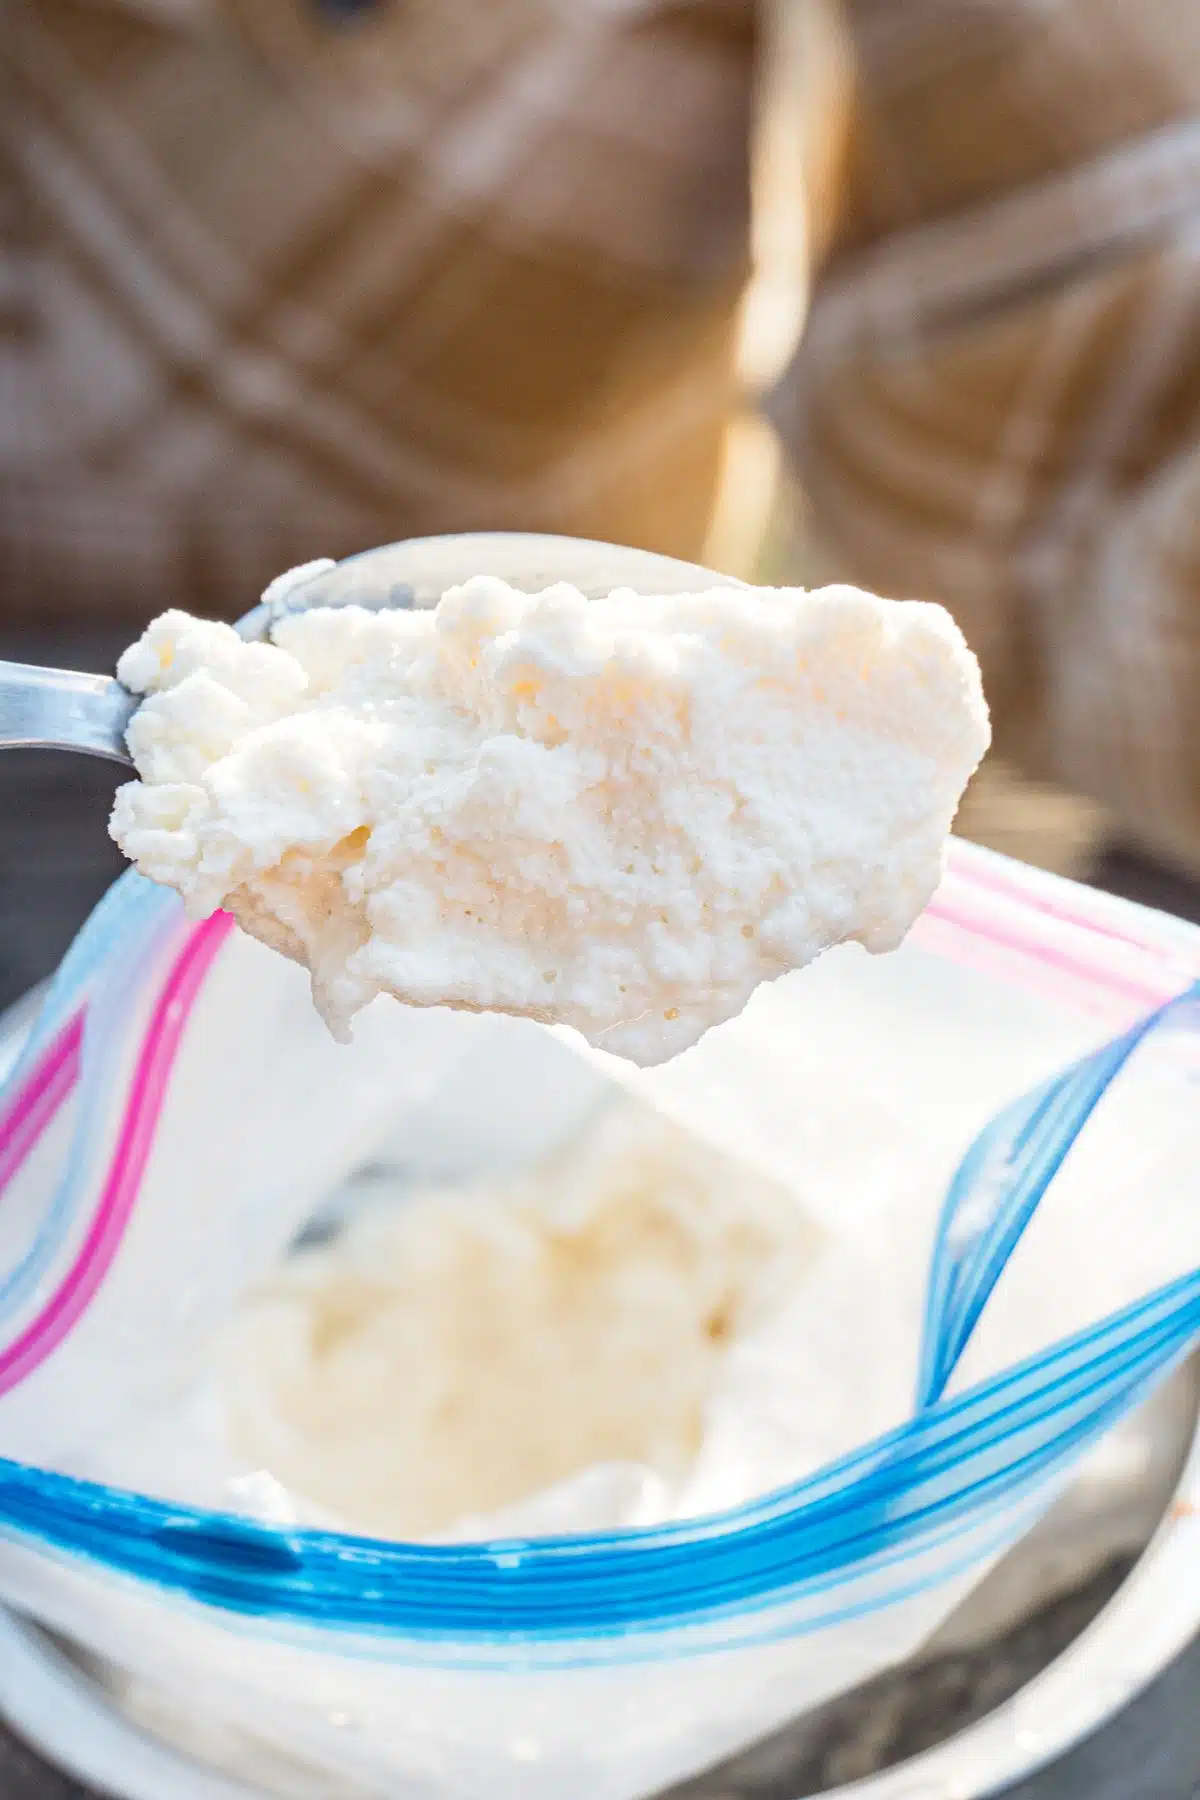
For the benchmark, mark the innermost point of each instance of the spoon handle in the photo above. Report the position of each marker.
(58, 709)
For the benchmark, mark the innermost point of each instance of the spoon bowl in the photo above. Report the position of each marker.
(63, 709)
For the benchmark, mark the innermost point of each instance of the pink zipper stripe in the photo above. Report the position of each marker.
(1027, 945)
(36, 1121)
(40, 1098)
(142, 1113)
(965, 868)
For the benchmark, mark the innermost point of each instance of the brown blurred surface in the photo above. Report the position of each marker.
(996, 402)
(281, 279)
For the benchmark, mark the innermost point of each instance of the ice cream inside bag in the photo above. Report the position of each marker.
(209, 1120)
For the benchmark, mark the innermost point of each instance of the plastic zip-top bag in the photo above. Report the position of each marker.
(992, 1134)
(612, 1661)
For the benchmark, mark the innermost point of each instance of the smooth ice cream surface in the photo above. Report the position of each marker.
(620, 814)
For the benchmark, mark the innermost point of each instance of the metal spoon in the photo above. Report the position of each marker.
(61, 709)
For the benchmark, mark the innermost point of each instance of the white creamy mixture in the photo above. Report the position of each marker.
(621, 815)
(458, 1353)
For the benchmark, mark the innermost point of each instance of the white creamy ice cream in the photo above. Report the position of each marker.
(620, 814)
(458, 1353)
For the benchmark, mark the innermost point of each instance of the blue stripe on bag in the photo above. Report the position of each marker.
(1000, 1183)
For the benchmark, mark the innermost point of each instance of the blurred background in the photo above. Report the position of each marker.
(897, 291)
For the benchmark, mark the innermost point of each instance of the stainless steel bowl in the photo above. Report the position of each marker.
(1144, 1489)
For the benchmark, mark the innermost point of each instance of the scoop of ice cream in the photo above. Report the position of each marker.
(619, 814)
(461, 1351)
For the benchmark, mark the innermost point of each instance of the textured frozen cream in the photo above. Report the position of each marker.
(620, 814)
(459, 1351)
